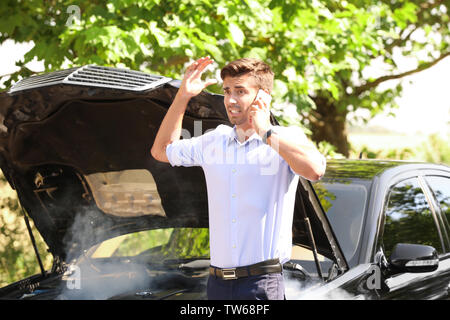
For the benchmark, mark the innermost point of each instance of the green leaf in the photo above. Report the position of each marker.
(405, 15)
(237, 36)
(258, 53)
(214, 51)
(158, 33)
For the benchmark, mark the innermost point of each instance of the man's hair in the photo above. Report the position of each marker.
(256, 68)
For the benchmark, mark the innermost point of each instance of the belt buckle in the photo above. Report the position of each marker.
(229, 274)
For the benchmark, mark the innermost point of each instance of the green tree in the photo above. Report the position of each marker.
(17, 257)
(320, 50)
(329, 46)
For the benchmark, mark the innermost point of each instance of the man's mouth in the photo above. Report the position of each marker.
(234, 111)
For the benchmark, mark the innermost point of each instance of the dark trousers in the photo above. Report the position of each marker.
(262, 287)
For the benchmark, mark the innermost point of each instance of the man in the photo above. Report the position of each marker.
(251, 171)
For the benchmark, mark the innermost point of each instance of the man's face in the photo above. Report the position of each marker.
(240, 92)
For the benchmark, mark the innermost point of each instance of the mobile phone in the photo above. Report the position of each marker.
(267, 98)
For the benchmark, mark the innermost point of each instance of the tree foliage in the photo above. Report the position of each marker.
(17, 257)
(320, 50)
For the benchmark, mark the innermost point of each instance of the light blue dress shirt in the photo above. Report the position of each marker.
(251, 194)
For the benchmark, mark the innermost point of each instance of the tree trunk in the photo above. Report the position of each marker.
(329, 124)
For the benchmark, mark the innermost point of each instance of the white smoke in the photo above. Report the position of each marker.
(100, 281)
(97, 279)
(315, 290)
(89, 278)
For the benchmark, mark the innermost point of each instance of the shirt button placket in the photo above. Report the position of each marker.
(233, 217)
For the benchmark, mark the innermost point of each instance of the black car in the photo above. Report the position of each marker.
(75, 145)
(391, 221)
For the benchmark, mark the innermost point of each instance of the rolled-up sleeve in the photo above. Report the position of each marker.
(298, 135)
(185, 152)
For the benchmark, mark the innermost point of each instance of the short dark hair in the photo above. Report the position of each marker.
(256, 68)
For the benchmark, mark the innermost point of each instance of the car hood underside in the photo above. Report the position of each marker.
(79, 159)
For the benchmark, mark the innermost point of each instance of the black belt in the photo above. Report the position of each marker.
(264, 267)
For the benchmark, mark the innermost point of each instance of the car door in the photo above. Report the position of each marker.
(410, 217)
(439, 188)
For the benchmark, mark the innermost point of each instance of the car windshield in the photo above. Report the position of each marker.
(156, 246)
(344, 202)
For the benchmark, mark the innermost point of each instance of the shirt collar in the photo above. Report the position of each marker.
(233, 136)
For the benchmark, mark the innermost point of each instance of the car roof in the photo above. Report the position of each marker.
(367, 169)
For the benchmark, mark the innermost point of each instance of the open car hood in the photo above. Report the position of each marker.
(75, 145)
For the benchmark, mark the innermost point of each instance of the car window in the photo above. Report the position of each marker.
(169, 243)
(409, 218)
(441, 190)
(344, 203)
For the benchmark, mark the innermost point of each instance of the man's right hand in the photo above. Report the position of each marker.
(170, 128)
(192, 83)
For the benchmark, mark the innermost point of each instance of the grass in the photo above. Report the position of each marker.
(415, 147)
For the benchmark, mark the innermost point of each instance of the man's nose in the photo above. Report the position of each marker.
(232, 100)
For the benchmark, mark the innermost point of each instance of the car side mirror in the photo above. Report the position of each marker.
(416, 258)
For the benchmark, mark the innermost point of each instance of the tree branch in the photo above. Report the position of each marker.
(369, 85)
(427, 5)
(424, 7)
(401, 40)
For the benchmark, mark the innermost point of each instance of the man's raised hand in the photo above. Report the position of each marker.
(192, 83)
